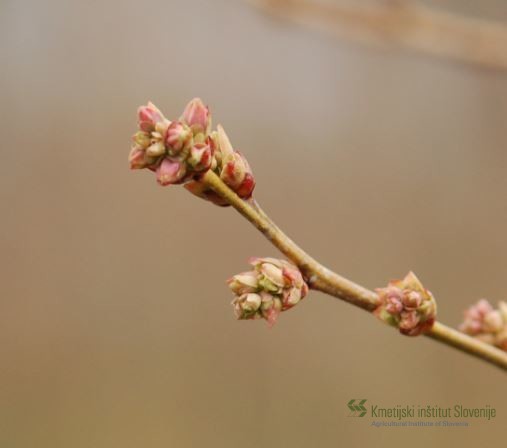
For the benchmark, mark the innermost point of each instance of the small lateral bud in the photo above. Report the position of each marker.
(237, 174)
(487, 324)
(178, 137)
(278, 284)
(142, 139)
(148, 116)
(170, 172)
(197, 116)
(200, 157)
(407, 305)
(156, 149)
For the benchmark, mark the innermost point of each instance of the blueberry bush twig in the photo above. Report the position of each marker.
(322, 279)
(187, 152)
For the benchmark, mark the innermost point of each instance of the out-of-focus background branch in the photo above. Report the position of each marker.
(406, 24)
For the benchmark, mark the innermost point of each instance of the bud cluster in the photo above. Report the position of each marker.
(181, 151)
(176, 150)
(271, 287)
(231, 166)
(486, 323)
(407, 305)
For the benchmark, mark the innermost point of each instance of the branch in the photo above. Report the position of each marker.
(187, 152)
(402, 23)
(323, 279)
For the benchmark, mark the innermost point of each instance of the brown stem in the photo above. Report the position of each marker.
(450, 336)
(321, 278)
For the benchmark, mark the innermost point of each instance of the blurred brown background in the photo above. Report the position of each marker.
(115, 323)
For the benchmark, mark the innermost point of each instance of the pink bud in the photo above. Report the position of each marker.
(246, 188)
(136, 159)
(161, 128)
(212, 141)
(473, 313)
(234, 170)
(474, 322)
(243, 283)
(200, 157)
(273, 273)
(391, 297)
(148, 116)
(393, 305)
(483, 307)
(197, 116)
(223, 142)
(170, 172)
(142, 139)
(407, 305)
(178, 137)
(251, 302)
(291, 297)
(293, 277)
(412, 299)
(236, 173)
(408, 323)
(271, 308)
(156, 149)
(278, 283)
(493, 322)
(246, 305)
